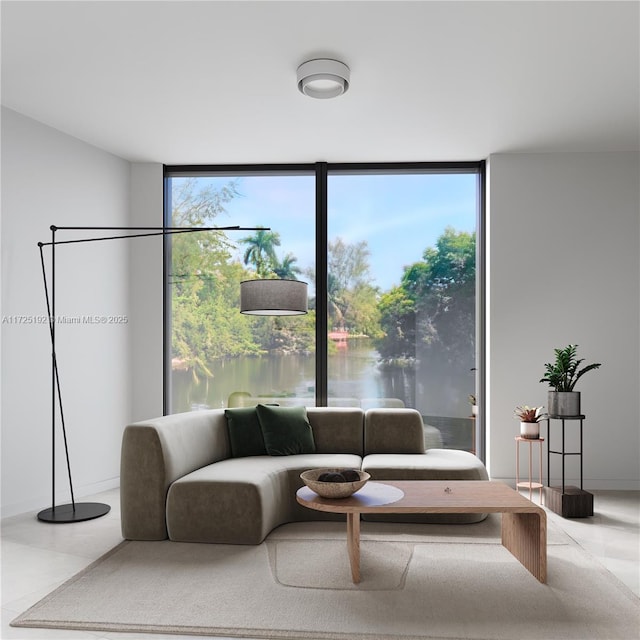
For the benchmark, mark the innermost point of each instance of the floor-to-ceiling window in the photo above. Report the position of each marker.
(390, 253)
(220, 357)
(402, 293)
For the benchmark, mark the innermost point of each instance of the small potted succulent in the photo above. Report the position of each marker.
(529, 421)
(562, 376)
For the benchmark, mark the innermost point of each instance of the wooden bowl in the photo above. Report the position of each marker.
(333, 489)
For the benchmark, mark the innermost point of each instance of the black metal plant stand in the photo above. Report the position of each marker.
(567, 501)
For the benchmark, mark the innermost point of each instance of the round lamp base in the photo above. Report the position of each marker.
(67, 513)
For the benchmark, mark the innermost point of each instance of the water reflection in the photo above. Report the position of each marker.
(354, 373)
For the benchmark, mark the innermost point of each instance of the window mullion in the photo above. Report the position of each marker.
(321, 286)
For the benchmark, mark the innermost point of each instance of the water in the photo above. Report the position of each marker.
(353, 373)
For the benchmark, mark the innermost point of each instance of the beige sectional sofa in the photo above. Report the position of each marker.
(180, 480)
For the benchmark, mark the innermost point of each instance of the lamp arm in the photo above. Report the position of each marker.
(87, 511)
(156, 231)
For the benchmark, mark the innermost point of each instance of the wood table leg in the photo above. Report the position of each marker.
(525, 536)
(353, 544)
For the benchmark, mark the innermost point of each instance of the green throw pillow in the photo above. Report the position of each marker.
(245, 434)
(286, 430)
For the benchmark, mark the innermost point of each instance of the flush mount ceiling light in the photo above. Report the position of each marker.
(323, 78)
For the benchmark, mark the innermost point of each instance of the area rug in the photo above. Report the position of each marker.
(419, 582)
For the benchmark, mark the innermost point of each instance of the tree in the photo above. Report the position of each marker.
(430, 319)
(197, 255)
(286, 334)
(398, 323)
(443, 287)
(286, 269)
(349, 289)
(348, 263)
(335, 302)
(205, 285)
(363, 316)
(261, 251)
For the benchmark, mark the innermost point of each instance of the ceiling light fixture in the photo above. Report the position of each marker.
(276, 297)
(323, 78)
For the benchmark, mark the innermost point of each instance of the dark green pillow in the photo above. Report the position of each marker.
(286, 430)
(245, 434)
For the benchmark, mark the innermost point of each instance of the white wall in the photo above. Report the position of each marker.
(51, 178)
(563, 266)
(563, 262)
(146, 292)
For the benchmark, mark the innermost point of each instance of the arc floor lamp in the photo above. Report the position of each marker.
(258, 297)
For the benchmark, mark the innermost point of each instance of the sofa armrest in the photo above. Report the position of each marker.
(157, 452)
(393, 431)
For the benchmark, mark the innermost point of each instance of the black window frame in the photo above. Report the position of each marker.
(322, 170)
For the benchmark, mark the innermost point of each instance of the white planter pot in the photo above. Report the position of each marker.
(530, 430)
(474, 409)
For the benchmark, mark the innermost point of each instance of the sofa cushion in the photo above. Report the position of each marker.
(245, 433)
(337, 430)
(236, 501)
(240, 500)
(286, 430)
(434, 464)
(393, 431)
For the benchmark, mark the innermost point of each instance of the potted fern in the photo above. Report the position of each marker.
(529, 421)
(562, 376)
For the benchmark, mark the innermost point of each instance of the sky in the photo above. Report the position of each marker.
(398, 215)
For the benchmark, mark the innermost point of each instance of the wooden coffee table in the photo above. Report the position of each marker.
(524, 524)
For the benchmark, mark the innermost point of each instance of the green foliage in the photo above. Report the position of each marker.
(428, 320)
(285, 334)
(261, 252)
(286, 269)
(206, 323)
(398, 324)
(352, 300)
(348, 263)
(563, 374)
(351, 296)
(432, 313)
(362, 316)
(444, 286)
(205, 285)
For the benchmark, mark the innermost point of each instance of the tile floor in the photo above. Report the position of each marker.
(37, 557)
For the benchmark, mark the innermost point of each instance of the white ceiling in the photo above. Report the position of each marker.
(215, 82)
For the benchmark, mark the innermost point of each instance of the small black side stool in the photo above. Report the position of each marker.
(567, 501)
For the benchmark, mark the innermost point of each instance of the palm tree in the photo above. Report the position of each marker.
(286, 269)
(335, 301)
(261, 251)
